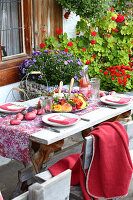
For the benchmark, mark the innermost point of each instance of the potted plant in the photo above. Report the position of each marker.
(51, 67)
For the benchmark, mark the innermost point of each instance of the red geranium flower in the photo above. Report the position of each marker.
(123, 72)
(118, 74)
(113, 18)
(113, 78)
(59, 31)
(109, 36)
(101, 70)
(105, 73)
(66, 15)
(93, 33)
(112, 9)
(129, 51)
(70, 44)
(131, 41)
(128, 75)
(88, 62)
(115, 29)
(43, 31)
(42, 45)
(120, 81)
(125, 80)
(93, 42)
(120, 18)
(94, 56)
(114, 42)
(66, 50)
(84, 49)
(130, 63)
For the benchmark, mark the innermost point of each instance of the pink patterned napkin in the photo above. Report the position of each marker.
(12, 107)
(118, 99)
(62, 120)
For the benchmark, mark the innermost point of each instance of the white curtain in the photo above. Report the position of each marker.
(10, 25)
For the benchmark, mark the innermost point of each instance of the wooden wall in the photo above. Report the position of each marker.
(48, 17)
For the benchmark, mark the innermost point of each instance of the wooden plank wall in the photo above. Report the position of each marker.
(48, 17)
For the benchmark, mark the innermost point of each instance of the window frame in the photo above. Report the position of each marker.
(10, 67)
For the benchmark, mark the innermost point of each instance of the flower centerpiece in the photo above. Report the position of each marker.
(54, 66)
(67, 103)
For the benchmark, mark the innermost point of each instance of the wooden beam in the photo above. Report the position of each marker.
(9, 76)
(0, 48)
(27, 8)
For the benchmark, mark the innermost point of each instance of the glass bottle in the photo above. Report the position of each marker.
(84, 83)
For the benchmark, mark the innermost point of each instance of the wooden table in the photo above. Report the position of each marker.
(50, 141)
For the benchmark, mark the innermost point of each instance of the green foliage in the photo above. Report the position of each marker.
(91, 8)
(102, 44)
(55, 66)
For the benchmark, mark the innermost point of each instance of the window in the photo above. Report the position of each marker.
(15, 37)
(11, 28)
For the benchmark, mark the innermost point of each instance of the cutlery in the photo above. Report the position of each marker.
(85, 119)
(53, 129)
(108, 106)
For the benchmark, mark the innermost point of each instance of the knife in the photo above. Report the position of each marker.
(53, 129)
(108, 106)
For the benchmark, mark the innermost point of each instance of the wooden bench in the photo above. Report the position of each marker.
(57, 187)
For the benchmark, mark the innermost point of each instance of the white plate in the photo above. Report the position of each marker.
(114, 103)
(45, 119)
(22, 104)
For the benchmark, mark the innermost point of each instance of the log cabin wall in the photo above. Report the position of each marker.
(48, 17)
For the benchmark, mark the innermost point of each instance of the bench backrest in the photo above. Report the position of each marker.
(57, 188)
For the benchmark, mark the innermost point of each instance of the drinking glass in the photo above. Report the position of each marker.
(95, 89)
(46, 103)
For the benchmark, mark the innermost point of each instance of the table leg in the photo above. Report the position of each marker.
(42, 154)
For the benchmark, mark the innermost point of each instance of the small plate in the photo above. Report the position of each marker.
(18, 105)
(102, 99)
(45, 119)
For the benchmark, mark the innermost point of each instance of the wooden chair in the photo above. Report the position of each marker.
(76, 192)
(57, 187)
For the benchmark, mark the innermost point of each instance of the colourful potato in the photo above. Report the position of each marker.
(20, 116)
(30, 116)
(35, 111)
(41, 111)
(15, 121)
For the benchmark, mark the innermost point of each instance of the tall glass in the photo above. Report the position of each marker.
(46, 103)
(95, 89)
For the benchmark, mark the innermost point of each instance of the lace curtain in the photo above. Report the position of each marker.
(11, 27)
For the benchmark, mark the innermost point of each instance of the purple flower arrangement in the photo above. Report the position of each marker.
(55, 66)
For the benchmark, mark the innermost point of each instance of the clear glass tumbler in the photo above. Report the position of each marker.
(95, 89)
(46, 103)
